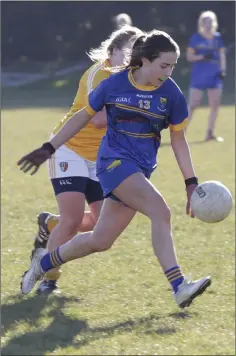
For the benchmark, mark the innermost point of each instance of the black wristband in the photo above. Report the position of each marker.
(192, 180)
(49, 147)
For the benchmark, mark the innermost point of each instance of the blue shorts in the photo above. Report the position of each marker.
(204, 85)
(116, 172)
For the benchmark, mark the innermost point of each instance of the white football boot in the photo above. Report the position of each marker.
(34, 273)
(188, 290)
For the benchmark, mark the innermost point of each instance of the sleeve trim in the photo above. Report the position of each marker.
(89, 110)
(91, 77)
(179, 127)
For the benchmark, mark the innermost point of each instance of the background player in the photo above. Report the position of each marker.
(122, 20)
(206, 52)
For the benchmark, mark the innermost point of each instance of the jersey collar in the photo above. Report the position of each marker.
(138, 86)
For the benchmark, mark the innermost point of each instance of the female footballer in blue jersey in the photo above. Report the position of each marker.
(140, 100)
(206, 52)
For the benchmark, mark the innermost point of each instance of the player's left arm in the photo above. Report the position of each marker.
(182, 153)
(223, 67)
(178, 123)
(222, 54)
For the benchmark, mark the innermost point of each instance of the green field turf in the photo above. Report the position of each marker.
(117, 302)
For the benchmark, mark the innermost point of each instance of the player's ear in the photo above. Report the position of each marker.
(145, 61)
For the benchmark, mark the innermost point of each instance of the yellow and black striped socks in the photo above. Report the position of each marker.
(52, 222)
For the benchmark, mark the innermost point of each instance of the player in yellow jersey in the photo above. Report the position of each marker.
(72, 169)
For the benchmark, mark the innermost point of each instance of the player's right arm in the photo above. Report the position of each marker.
(96, 102)
(77, 121)
(100, 119)
(191, 55)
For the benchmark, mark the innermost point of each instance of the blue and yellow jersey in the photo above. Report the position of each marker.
(86, 143)
(201, 45)
(136, 116)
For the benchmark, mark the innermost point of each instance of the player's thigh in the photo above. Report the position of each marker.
(113, 220)
(137, 192)
(69, 177)
(214, 97)
(195, 97)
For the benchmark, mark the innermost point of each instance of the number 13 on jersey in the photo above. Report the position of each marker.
(144, 104)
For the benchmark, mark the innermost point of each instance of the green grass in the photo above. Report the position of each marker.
(118, 302)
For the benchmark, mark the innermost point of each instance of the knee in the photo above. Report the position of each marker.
(166, 214)
(101, 245)
(162, 215)
(214, 107)
(192, 106)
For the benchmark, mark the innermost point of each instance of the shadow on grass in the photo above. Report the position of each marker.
(64, 329)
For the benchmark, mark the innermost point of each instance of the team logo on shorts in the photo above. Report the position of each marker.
(113, 165)
(163, 103)
(63, 166)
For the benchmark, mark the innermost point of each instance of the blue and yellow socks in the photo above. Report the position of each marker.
(51, 260)
(175, 277)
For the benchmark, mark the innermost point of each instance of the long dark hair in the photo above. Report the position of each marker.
(150, 46)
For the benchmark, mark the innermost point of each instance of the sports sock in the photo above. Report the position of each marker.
(175, 277)
(52, 275)
(52, 222)
(51, 260)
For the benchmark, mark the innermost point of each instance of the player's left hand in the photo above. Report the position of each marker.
(189, 189)
(34, 159)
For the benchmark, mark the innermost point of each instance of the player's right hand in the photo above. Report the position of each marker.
(34, 159)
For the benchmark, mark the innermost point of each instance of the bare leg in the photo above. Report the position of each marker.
(91, 217)
(138, 193)
(195, 98)
(214, 96)
(71, 207)
(114, 218)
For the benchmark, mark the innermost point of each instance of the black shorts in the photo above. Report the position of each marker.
(90, 188)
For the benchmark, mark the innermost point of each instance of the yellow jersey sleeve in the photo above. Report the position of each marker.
(92, 78)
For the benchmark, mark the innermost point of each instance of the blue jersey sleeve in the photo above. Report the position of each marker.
(97, 98)
(193, 41)
(178, 118)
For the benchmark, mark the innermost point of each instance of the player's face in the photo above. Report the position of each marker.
(160, 69)
(119, 55)
(207, 23)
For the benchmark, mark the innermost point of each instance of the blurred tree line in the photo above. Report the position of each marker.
(52, 30)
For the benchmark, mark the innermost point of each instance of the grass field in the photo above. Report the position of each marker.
(118, 302)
